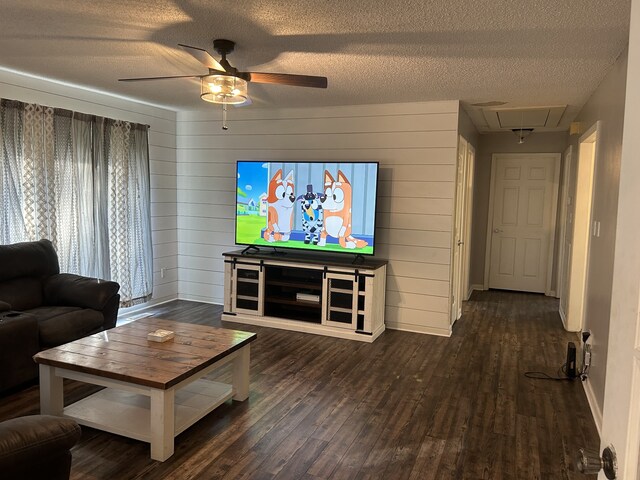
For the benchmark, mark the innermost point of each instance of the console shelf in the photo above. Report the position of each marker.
(328, 296)
(295, 284)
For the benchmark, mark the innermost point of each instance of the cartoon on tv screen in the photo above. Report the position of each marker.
(316, 206)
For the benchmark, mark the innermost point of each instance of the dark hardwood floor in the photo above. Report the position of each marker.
(407, 406)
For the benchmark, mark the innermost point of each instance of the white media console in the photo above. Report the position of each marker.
(327, 296)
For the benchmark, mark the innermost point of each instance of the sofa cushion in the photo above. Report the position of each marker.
(77, 291)
(22, 293)
(28, 259)
(58, 325)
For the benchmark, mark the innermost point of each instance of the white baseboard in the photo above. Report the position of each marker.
(563, 318)
(596, 411)
(123, 313)
(199, 300)
(476, 286)
(405, 327)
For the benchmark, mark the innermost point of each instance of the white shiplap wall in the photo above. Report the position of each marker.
(416, 147)
(162, 153)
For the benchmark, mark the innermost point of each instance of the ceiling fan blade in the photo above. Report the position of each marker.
(159, 78)
(285, 79)
(203, 57)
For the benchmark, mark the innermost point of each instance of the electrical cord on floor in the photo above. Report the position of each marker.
(546, 376)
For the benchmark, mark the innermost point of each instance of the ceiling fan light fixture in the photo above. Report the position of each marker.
(225, 89)
(522, 133)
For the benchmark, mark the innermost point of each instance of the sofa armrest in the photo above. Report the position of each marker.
(66, 289)
(4, 306)
(34, 438)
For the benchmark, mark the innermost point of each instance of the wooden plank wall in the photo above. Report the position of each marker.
(162, 154)
(416, 146)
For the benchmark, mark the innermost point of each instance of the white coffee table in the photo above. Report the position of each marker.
(154, 391)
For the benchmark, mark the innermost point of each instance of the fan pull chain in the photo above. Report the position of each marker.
(224, 116)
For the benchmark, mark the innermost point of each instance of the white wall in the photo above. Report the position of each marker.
(416, 146)
(620, 425)
(607, 105)
(162, 153)
(467, 129)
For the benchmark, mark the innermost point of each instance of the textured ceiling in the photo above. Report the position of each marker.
(533, 53)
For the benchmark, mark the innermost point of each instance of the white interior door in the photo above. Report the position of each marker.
(566, 234)
(468, 215)
(521, 226)
(621, 413)
(459, 232)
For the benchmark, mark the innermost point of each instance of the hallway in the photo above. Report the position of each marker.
(537, 424)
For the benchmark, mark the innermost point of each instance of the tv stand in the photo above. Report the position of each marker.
(306, 293)
(249, 249)
(277, 252)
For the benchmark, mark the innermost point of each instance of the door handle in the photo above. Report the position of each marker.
(497, 230)
(589, 462)
(460, 242)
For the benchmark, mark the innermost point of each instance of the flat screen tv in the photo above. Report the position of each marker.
(307, 205)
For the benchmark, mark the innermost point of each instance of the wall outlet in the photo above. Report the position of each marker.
(587, 340)
(587, 356)
(162, 272)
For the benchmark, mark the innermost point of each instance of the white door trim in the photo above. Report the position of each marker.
(458, 226)
(487, 253)
(471, 162)
(567, 178)
(554, 212)
(554, 223)
(566, 172)
(582, 233)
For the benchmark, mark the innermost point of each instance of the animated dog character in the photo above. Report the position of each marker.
(312, 215)
(280, 212)
(337, 212)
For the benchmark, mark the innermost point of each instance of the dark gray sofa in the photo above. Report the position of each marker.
(42, 308)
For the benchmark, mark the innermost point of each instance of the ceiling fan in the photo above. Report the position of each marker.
(227, 85)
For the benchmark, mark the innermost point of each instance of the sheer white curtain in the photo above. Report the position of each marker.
(83, 182)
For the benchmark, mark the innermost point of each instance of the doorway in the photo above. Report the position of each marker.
(460, 289)
(522, 220)
(582, 231)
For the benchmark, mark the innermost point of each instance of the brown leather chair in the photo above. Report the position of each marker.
(37, 447)
(43, 308)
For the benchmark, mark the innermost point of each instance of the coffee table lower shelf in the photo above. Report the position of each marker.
(129, 414)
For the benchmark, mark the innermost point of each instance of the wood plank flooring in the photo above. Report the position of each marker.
(408, 406)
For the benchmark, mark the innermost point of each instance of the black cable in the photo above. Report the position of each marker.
(546, 376)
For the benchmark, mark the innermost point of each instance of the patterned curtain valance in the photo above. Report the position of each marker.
(83, 182)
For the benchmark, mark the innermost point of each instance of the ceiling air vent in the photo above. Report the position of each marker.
(510, 118)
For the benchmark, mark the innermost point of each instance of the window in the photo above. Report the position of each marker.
(81, 181)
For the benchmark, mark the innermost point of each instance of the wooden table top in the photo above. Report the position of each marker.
(124, 353)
